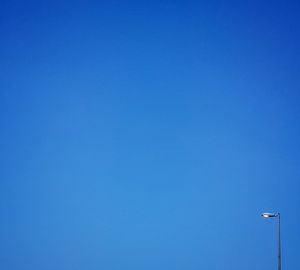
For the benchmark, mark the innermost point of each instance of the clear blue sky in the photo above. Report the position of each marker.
(141, 135)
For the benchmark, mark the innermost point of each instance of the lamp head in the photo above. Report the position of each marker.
(269, 215)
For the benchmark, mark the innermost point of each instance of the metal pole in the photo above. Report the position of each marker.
(279, 244)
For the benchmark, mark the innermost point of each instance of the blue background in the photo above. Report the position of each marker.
(149, 134)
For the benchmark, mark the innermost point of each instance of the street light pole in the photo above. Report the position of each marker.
(274, 215)
(279, 244)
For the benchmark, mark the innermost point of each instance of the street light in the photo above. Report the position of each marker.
(274, 215)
